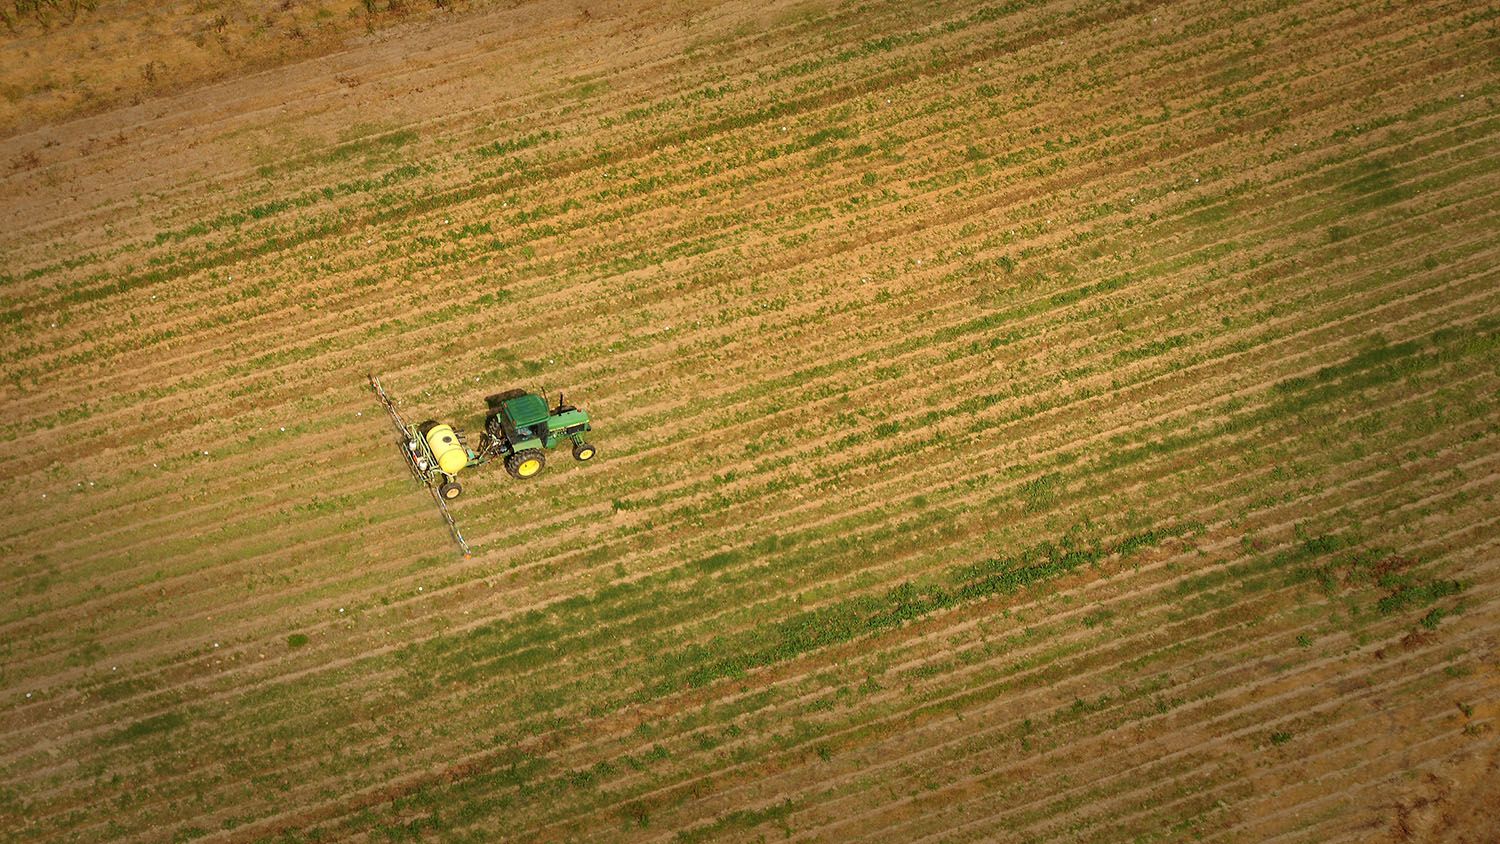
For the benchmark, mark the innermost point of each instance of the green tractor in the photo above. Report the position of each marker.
(520, 426)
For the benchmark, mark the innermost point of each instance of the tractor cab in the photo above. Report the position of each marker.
(521, 420)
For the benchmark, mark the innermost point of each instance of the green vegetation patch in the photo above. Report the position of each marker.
(510, 145)
(1418, 595)
(731, 656)
(1394, 574)
(367, 146)
(742, 819)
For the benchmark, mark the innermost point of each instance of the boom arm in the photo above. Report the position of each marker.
(405, 433)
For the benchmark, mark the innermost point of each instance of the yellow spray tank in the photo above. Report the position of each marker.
(449, 454)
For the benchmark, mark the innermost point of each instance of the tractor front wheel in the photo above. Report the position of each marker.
(583, 451)
(450, 490)
(526, 464)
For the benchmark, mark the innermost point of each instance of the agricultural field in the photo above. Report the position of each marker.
(1018, 421)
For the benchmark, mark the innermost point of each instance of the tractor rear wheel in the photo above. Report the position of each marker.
(584, 451)
(494, 426)
(526, 464)
(450, 490)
